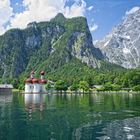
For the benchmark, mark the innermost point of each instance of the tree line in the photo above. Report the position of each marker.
(110, 81)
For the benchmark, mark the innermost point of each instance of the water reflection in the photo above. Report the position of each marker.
(96, 102)
(34, 102)
(34, 98)
(70, 116)
(5, 98)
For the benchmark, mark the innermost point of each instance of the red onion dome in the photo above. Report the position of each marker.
(28, 81)
(35, 81)
(42, 72)
(43, 81)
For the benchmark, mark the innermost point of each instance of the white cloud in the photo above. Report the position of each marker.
(39, 10)
(44, 10)
(17, 4)
(93, 27)
(90, 8)
(77, 9)
(5, 14)
(133, 10)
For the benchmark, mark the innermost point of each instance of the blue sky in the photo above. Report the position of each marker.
(102, 15)
(108, 13)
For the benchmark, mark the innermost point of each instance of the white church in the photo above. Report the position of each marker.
(34, 85)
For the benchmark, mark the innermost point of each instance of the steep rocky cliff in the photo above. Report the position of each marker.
(48, 46)
(122, 45)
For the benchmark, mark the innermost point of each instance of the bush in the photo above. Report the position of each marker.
(108, 87)
(21, 87)
(136, 88)
(48, 86)
(116, 87)
(83, 85)
(61, 85)
(74, 87)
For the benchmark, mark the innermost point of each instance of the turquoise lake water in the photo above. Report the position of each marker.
(70, 117)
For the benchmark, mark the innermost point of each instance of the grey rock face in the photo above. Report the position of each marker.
(33, 41)
(122, 45)
(49, 44)
(19, 47)
(81, 47)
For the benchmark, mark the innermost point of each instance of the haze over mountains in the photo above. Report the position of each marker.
(122, 45)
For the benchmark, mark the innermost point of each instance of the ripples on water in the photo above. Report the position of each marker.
(70, 117)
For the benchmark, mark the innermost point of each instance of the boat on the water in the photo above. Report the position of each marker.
(6, 88)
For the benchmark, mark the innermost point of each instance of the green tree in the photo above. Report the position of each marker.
(136, 88)
(108, 87)
(116, 87)
(61, 85)
(74, 86)
(48, 86)
(84, 86)
(21, 87)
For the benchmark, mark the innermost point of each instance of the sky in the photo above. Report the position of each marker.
(102, 15)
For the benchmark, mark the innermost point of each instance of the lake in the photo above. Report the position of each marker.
(70, 117)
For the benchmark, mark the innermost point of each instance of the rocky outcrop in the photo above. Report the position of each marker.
(47, 44)
(81, 47)
(122, 45)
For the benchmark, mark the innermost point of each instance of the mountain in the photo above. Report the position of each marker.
(122, 45)
(48, 46)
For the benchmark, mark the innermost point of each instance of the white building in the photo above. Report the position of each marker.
(34, 85)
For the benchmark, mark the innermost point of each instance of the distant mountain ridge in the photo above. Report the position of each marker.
(47, 46)
(122, 45)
